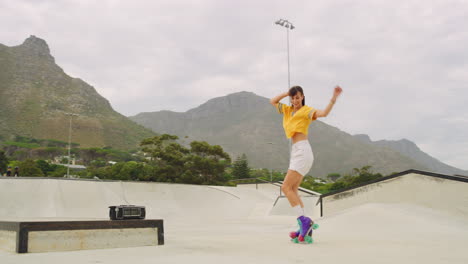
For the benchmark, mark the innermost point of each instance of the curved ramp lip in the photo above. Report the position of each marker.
(214, 188)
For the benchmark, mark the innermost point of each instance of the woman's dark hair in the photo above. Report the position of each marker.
(293, 91)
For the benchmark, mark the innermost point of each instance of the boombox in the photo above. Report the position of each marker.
(122, 212)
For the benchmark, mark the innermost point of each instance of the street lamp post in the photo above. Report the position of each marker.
(271, 154)
(69, 143)
(289, 26)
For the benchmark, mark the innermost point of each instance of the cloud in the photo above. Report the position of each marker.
(402, 64)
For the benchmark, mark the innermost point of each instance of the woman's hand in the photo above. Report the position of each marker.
(323, 113)
(336, 92)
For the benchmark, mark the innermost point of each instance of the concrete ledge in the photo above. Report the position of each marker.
(23, 237)
(441, 192)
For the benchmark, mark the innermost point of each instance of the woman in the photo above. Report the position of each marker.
(296, 121)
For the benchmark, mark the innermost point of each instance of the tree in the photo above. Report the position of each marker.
(201, 164)
(47, 153)
(260, 173)
(44, 166)
(21, 154)
(167, 156)
(147, 173)
(3, 161)
(98, 163)
(51, 170)
(90, 154)
(333, 176)
(57, 171)
(241, 168)
(101, 172)
(359, 176)
(363, 175)
(30, 168)
(155, 145)
(128, 170)
(206, 164)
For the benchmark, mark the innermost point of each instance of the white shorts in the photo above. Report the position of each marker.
(302, 157)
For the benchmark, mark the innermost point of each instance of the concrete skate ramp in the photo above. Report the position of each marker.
(246, 231)
(436, 191)
(282, 206)
(31, 198)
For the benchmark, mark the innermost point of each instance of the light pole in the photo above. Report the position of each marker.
(271, 154)
(289, 26)
(69, 142)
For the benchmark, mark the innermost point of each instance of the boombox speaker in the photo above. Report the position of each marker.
(122, 212)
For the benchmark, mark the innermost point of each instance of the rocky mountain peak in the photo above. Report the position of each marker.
(37, 47)
(363, 138)
(246, 101)
(35, 93)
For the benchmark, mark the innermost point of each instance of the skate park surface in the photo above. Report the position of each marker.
(243, 224)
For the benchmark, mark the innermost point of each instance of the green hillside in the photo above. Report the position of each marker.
(36, 95)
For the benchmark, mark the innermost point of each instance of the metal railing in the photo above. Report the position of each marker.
(253, 180)
(276, 183)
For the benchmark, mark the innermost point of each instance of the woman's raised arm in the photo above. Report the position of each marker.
(276, 99)
(323, 113)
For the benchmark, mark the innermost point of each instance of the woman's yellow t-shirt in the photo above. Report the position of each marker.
(296, 122)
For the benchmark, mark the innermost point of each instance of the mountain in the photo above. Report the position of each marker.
(36, 94)
(246, 123)
(411, 150)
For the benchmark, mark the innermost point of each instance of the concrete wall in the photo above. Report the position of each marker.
(67, 240)
(28, 199)
(8, 240)
(432, 192)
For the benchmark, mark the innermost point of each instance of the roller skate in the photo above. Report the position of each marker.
(304, 234)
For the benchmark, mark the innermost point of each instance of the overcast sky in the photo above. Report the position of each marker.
(403, 64)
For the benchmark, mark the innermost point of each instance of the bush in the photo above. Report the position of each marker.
(29, 168)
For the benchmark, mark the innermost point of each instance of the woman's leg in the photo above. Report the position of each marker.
(290, 187)
(296, 189)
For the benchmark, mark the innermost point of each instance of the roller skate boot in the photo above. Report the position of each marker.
(304, 234)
